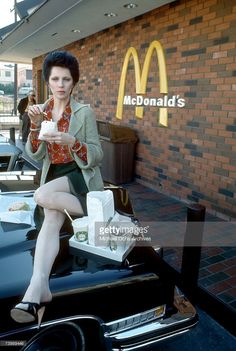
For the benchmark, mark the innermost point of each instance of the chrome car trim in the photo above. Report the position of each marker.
(20, 192)
(155, 329)
(70, 319)
(137, 319)
(149, 343)
(53, 322)
(149, 328)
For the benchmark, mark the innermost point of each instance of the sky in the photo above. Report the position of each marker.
(6, 17)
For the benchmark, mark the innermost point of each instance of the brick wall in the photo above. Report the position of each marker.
(195, 157)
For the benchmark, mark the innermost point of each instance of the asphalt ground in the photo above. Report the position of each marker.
(207, 335)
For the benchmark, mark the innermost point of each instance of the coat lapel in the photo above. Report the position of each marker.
(75, 122)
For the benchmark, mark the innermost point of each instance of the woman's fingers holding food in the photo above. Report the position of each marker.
(52, 137)
(36, 114)
(35, 110)
(58, 138)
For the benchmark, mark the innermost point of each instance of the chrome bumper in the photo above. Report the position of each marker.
(150, 327)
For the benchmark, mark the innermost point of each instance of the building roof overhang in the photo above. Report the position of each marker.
(52, 24)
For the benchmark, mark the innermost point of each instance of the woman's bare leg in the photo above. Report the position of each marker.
(55, 195)
(52, 197)
(46, 250)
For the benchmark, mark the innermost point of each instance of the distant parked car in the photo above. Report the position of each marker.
(24, 91)
(9, 154)
(1, 92)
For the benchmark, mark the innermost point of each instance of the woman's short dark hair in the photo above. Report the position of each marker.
(62, 59)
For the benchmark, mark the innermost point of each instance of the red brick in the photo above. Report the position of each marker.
(232, 282)
(219, 287)
(217, 267)
(231, 271)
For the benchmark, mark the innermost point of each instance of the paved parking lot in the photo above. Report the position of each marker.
(208, 335)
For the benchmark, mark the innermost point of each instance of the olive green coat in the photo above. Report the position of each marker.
(84, 128)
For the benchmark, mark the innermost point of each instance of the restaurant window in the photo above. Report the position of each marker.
(28, 74)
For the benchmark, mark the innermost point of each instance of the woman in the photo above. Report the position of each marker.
(71, 158)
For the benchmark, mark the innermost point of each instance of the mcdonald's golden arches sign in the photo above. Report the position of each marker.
(141, 84)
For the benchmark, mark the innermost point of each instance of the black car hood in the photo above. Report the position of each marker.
(70, 271)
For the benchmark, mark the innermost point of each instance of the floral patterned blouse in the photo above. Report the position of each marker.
(59, 153)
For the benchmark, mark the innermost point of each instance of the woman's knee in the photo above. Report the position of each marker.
(42, 197)
(45, 198)
(46, 194)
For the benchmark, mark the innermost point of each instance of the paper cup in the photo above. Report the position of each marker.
(80, 227)
(122, 238)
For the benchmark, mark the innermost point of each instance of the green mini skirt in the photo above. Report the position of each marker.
(75, 177)
(77, 187)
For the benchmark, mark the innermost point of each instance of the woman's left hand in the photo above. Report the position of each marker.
(59, 138)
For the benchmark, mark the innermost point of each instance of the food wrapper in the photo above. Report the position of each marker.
(21, 217)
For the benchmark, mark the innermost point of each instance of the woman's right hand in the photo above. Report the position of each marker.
(36, 113)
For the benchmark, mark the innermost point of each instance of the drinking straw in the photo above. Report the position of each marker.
(68, 214)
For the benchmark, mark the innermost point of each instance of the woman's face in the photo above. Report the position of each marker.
(60, 82)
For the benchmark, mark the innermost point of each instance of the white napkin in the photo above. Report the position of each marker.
(47, 127)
